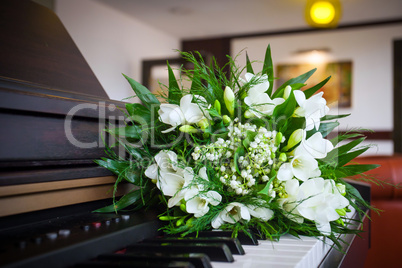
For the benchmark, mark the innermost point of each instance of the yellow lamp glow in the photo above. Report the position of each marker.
(323, 13)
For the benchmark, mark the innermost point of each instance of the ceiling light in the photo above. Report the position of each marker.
(323, 13)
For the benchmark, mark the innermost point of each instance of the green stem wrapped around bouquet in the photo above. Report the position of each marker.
(231, 153)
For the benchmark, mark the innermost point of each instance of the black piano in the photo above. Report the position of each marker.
(52, 111)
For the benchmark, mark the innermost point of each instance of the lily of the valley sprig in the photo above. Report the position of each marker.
(232, 153)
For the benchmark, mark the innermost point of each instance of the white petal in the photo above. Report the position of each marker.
(285, 172)
(185, 101)
(262, 213)
(324, 228)
(213, 197)
(152, 172)
(300, 97)
(203, 173)
(248, 76)
(292, 187)
(193, 114)
(217, 221)
(305, 167)
(171, 183)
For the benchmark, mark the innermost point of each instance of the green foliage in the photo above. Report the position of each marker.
(208, 80)
(175, 93)
(147, 98)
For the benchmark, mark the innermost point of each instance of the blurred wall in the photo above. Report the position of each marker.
(370, 51)
(113, 43)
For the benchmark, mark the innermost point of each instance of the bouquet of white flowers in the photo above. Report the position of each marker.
(231, 153)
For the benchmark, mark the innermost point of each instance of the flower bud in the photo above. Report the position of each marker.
(341, 188)
(226, 120)
(340, 221)
(189, 222)
(229, 98)
(217, 106)
(248, 114)
(282, 157)
(188, 129)
(341, 212)
(287, 91)
(295, 138)
(183, 207)
(278, 138)
(203, 123)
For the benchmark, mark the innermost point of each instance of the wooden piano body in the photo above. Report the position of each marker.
(52, 111)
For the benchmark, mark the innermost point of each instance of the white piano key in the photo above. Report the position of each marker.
(288, 252)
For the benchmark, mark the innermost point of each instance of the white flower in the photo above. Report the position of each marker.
(198, 205)
(166, 162)
(176, 185)
(302, 166)
(289, 204)
(229, 98)
(316, 146)
(259, 101)
(185, 114)
(319, 200)
(312, 109)
(232, 213)
(259, 211)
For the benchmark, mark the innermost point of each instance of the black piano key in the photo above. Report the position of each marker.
(244, 238)
(233, 243)
(197, 259)
(134, 263)
(216, 252)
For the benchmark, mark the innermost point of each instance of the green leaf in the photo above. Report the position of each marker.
(239, 152)
(135, 153)
(174, 90)
(285, 110)
(346, 136)
(297, 86)
(250, 137)
(117, 167)
(342, 149)
(196, 84)
(124, 202)
(332, 117)
(352, 170)
(133, 132)
(300, 79)
(346, 158)
(268, 68)
(139, 113)
(310, 92)
(248, 64)
(214, 114)
(325, 129)
(147, 98)
(265, 190)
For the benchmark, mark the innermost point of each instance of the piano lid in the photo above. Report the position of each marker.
(43, 80)
(36, 48)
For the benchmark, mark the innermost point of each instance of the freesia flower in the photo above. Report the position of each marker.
(229, 98)
(302, 166)
(185, 114)
(258, 100)
(259, 211)
(319, 199)
(198, 205)
(166, 161)
(290, 203)
(176, 185)
(312, 109)
(316, 146)
(232, 213)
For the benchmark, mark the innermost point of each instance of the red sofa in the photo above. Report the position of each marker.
(386, 227)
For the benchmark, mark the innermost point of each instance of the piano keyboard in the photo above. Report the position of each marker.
(91, 241)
